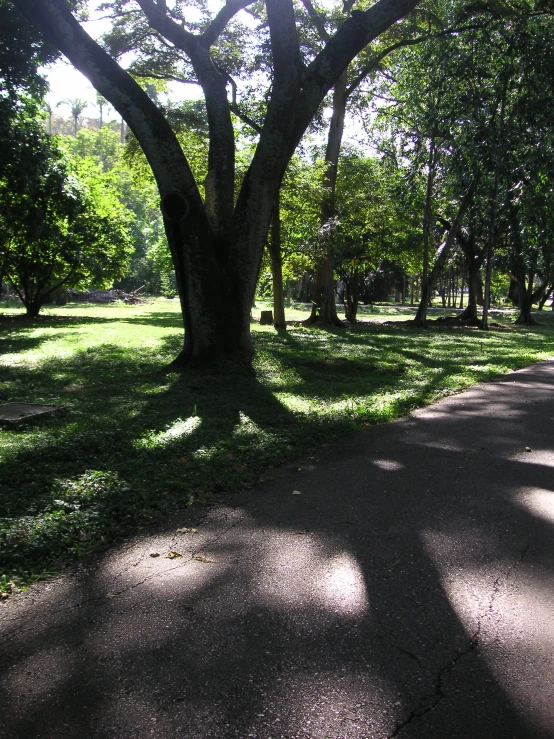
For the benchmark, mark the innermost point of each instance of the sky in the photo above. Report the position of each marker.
(66, 83)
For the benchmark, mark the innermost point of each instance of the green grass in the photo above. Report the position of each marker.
(134, 442)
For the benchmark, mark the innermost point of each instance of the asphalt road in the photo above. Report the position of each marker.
(400, 583)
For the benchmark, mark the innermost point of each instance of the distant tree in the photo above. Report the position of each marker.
(76, 106)
(54, 231)
(102, 103)
(371, 224)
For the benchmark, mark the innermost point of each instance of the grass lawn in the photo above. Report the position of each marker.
(134, 442)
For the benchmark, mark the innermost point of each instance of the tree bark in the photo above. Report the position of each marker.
(474, 258)
(525, 305)
(545, 297)
(522, 290)
(352, 290)
(474, 286)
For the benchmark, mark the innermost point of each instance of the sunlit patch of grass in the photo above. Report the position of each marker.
(177, 430)
(133, 442)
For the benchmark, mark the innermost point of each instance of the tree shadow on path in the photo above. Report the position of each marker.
(403, 592)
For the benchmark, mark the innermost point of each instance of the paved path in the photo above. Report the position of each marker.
(407, 591)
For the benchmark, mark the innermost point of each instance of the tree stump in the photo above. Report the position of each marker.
(266, 318)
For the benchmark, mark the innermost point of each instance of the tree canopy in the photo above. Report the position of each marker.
(57, 229)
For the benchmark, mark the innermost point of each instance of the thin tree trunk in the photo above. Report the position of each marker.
(484, 324)
(545, 297)
(274, 245)
(421, 315)
(323, 303)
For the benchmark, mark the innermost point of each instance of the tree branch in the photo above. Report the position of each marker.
(285, 46)
(355, 33)
(221, 158)
(54, 19)
(217, 26)
(317, 20)
(155, 76)
(234, 104)
(159, 21)
(374, 63)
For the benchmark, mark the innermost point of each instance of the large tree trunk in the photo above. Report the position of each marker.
(324, 307)
(526, 303)
(474, 288)
(352, 290)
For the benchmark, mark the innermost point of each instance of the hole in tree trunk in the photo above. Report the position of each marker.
(175, 206)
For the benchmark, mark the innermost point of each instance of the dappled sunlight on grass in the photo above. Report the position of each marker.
(171, 439)
(176, 430)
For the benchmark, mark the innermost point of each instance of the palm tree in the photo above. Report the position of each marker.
(76, 106)
(49, 111)
(102, 103)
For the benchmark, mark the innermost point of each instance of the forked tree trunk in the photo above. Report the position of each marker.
(525, 305)
(525, 297)
(473, 257)
(474, 288)
(216, 289)
(32, 308)
(442, 255)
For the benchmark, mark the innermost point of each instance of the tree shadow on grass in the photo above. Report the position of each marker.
(168, 440)
(396, 596)
(374, 364)
(171, 439)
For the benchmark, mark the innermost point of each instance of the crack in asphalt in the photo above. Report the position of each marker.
(430, 700)
(86, 601)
